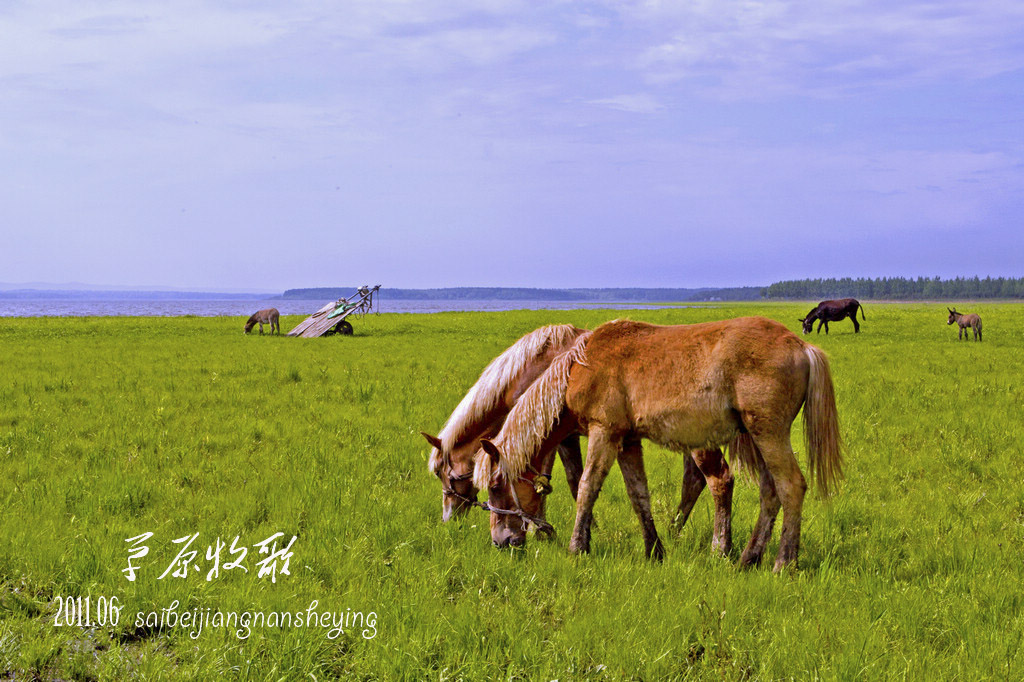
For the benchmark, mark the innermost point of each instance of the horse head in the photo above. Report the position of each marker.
(455, 471)
(953, 314)
(514, 503)
(807, 322)
(250, 323)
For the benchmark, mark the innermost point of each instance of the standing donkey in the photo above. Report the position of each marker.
(971, 320)
(266, 316)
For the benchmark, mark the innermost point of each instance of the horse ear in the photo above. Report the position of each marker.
(801, 319)
(433, 440)
(492, 450)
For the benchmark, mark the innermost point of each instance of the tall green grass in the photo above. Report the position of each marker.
(110, 427)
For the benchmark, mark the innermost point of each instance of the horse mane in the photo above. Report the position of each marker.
(532, 418)
(495, 380)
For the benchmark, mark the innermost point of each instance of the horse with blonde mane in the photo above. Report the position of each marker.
(482, 412)
(698, 387)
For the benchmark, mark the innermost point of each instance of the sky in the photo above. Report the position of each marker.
(266, 145)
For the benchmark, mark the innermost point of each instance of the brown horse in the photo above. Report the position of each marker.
(482, 412)
(266, 316)
(740, 382)
(964, 321)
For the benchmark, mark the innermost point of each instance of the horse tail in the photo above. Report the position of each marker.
(744, 455)
(821, 424)
(862, 315)
(533, 417)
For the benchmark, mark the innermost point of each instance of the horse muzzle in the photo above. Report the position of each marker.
(511, 541)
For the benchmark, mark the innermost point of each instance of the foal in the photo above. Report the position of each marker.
(971, 320)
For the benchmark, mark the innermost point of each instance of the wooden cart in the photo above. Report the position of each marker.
(331, 318)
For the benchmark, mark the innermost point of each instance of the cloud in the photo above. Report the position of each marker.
(776, 47)
(640, 103)
(56, 40)
(59, 41)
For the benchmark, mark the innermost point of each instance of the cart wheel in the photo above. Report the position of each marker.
(344, 327)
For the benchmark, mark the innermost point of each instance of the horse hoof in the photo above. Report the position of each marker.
(721, 550)
(576, 547)
(749, 560)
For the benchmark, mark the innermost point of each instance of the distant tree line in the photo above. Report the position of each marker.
(898, 288)
(527, 294)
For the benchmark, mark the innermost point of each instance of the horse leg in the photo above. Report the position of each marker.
(821, 323)
(693, 484)
(569, 453)
(561, 439)
(790, 487)
(602, 451)
(856, 326)
(716, 471)
(572, 462)
(762, 532)
(631, 464)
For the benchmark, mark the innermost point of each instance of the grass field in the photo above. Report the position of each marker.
(115, 427)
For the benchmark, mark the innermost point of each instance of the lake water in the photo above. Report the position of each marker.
(240, 308)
